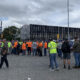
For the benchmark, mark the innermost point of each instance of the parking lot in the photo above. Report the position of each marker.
(23, 67)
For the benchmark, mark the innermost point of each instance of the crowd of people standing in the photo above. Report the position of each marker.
(64, 50)
(39, 48)
(24, 47)
(16, 47)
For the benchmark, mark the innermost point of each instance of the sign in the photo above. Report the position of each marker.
(57, 36)
(3, 18)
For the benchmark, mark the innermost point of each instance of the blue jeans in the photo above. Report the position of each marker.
(45, 51)
(15, 51)
(77, 59)
(34, 52)
(23, 52)
(60, 53)
(53, 61)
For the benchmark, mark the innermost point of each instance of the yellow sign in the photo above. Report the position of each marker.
(57, 36)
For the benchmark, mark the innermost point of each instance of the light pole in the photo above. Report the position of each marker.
(1, 27)
(68, 18)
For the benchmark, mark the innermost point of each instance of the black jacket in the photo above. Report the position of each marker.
(65, 47)
(4, 52)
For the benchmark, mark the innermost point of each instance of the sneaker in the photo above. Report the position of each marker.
(57, 69)
(52, 70)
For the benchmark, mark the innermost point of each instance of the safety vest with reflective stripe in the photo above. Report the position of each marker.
(2, 44)
(52, 47)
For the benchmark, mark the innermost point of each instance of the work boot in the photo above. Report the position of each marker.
(69, 67)
(64, 66)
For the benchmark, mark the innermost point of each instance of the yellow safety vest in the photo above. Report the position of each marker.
(9, 44)
(52, 47)
(2, 45)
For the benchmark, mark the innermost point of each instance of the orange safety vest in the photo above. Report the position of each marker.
(45, 45)
(40, 44)
(26, 42)
(29, 44)
(15, 44)
(24, 46)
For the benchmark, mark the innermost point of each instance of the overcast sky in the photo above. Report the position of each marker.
(47, 12)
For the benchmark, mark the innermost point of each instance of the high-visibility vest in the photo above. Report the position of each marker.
(24, 46)
(2, 44)
(52, 47)
(45, 45)
(29, 44)
(15, 44)
(40, 44)
(20, 43)
(9, 44)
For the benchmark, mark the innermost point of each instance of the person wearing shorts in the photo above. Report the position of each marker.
(66, 56)
(66, 53)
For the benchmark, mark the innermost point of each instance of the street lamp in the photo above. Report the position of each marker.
(68, 18)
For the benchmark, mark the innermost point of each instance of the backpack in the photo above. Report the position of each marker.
(65, 48)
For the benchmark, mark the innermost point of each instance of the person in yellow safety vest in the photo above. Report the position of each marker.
(9, 47)
(0, 46)
(20, 42)
(52, 54)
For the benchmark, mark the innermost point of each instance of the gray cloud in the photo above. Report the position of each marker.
(52, 12)
(11, 11)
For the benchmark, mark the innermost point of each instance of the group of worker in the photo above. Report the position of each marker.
(25, 47)
(18, 47)
(63, 48)
(28, 47)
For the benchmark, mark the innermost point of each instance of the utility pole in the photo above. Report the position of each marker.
(68, 18)
(1, 30)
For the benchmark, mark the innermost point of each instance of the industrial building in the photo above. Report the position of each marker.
(44, 32)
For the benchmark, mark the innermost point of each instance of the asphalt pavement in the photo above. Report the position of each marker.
(36, 68)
